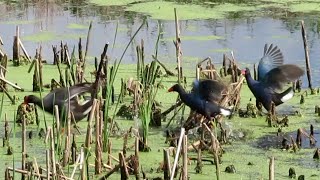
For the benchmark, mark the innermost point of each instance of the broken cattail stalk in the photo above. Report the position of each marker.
(299, 137)
(98, 150)
(224, 65)
(16, 50)
(136, 147)
(182, 133)
(177, 44)
(125, 142)
(66, 153)
(24, 51)
(52, 153)
(311, 136)
(316, 109)
(24, 148)
(167, 165)
(306, 52)
(87, 47)
(185, 158)
(48, 163)
(271, 168)
(109, 162)
(123, 167)
(215, 146)
(77, 163)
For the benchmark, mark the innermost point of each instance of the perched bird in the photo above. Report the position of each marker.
(272, 76)
(203, 98)
(61, 98)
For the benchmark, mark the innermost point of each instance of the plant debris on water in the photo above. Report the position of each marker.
(135, 125)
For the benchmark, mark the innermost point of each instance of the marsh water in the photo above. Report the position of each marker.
(241, 30)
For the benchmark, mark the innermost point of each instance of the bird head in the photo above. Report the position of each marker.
(26, 100)
(174, 88)
(245, 71)
(29, 99)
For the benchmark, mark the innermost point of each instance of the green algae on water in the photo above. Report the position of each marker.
(196, 38)
(165, 10)
(77, 26)
(113, 2)
(50, 36)
(305, 7)
(40, 37)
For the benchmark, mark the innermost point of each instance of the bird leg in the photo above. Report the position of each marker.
(259, 106)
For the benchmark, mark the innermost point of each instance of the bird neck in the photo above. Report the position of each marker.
(250, 80)
(36, 100)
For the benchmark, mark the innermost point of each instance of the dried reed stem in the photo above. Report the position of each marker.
(271, 168)
(177, 153)
(306, 52)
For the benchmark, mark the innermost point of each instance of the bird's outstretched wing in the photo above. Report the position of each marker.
(272, 58)
(209, 90)
(280, 75)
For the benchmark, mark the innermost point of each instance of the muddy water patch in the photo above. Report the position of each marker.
(279, 140)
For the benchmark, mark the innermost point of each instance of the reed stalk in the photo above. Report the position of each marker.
(109, 88)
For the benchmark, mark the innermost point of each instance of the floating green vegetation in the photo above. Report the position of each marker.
(280, 36)
(112, 2)
(222, 50)
(20, 22)
(50, 36)
(196, 38)
(71, 36)
(227, 7)
(39, 37)
(305, 7)
(164, 10)
(77, 26)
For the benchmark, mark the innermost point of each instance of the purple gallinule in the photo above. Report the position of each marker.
(61, 97)
(272, 76)
(203, 98)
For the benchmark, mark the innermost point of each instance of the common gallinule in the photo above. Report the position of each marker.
(61, 97)
(203, 98)
(272, 76)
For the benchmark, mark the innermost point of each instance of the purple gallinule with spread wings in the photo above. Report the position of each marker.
(272, 76)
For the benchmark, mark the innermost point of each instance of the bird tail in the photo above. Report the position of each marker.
(225, 112)
(286, 95)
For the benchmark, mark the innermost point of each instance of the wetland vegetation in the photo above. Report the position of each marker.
(133, 78)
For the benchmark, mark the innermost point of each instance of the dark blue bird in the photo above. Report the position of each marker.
(272, 76)
(203, 98)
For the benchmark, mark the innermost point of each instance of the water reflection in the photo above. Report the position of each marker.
(245, 36)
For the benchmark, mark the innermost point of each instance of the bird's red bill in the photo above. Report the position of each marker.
(170, 89)
(243, 71)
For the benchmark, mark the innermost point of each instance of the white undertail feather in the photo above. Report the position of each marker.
(287, 96)
(87, 110)
(225, 112)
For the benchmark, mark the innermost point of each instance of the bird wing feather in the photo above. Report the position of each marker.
(272, 57)
(280, 75)
(209, 90)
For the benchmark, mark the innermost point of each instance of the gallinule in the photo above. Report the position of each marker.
(203, 98)
(272, 76)
(60, 97)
